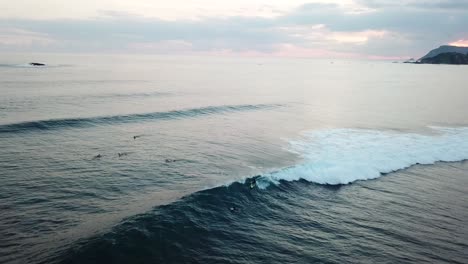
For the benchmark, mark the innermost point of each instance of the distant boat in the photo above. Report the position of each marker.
(36, 64)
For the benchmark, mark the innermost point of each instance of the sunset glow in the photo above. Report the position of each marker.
(312, 28)
(460, 43)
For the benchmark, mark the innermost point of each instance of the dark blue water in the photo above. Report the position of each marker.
(349, 167)
(299, 222)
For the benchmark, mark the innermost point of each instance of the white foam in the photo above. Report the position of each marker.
(342, 156)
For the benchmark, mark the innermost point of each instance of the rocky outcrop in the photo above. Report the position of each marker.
(445, 49)
(447, 58)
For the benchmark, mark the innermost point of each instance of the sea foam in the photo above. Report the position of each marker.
(342, 156)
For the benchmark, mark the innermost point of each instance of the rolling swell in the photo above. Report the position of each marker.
(299, 221)
(199, 228)
(52, 124)
(295, 222)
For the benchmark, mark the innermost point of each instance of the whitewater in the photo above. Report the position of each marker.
(342, 156)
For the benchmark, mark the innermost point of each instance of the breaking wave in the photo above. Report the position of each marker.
(342, 156)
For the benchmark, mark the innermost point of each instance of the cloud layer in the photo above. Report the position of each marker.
(359, 29)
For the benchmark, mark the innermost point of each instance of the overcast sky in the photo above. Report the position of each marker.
(377, 29)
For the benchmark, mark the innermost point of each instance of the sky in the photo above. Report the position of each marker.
(362, 29)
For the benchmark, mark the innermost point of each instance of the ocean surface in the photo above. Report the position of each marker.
(152, 159)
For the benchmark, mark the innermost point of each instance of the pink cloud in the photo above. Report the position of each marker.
(460, 43)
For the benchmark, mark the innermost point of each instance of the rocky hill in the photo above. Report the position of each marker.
(446, 58)
(445, 49)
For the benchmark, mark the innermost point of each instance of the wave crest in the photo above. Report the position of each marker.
(131, 118)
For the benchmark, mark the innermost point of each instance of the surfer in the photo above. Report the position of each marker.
(253, 182)
(170, 160)
(98, 156)
(135, 137)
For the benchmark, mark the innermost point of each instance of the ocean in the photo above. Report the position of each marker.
(160, 159)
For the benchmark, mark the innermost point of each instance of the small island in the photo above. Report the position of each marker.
(36, 64)
(445, 54)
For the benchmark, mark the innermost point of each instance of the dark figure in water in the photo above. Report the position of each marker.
(253, 182)
(135, 137)
(122, 154)
(98, 156)
(170, 160)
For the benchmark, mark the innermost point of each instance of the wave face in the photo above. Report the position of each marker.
(131, 118)
(296, 222)
(342, 156)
